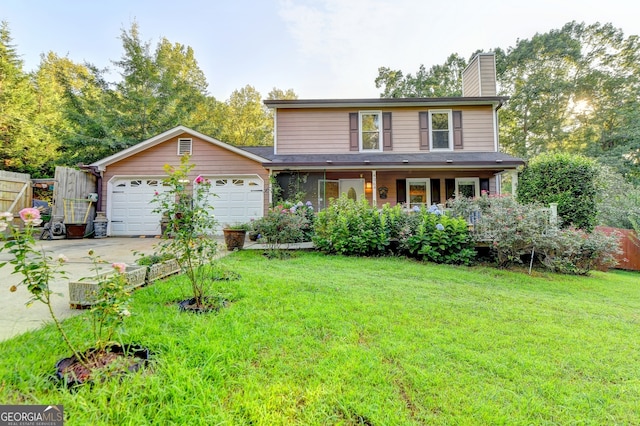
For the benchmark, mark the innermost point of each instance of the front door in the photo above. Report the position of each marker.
(327, 190)
(354, 188)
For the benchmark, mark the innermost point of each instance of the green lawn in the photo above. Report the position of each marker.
(317, 339)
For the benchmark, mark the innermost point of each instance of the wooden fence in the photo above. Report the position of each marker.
(71, 194)
(630, 245)
(16, 192)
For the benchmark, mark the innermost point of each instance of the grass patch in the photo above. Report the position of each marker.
(318, 339)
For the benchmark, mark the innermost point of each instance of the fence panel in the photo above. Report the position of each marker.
(16, 192)
(630, 245)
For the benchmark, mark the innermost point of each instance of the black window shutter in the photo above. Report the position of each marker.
(354, 145)
(401, 191)
(484, 185)
(435, 191)
(423, 118)
(449, 188)
(387, 144)
(457, 129)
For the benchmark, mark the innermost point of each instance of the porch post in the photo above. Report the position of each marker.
(374, 189)
(514, 182)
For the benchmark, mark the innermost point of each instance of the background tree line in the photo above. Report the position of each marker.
(66, 113)
(575, 90)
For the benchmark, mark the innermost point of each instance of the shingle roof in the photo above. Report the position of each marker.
(424, 160)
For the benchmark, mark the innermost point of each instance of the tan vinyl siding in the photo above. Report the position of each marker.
(488, 75)
(208, 158)
(471, 79)
(317, 131)
(479, 78)
(477, 128)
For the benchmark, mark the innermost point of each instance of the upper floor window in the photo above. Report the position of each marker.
(370, 131)
(184, 146)
(441, 126)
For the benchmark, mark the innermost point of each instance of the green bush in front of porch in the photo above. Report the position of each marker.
(355, 228)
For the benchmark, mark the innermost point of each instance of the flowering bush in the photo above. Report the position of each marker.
(575, 251)
(284, 225)
(189, 225)
(39, 269)
(111, 301)
(438, 238)
(515, 230)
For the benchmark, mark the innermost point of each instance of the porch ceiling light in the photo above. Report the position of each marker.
(329, 161)
(405, 161)
(498, 161)
(367, 161)
(449, 160)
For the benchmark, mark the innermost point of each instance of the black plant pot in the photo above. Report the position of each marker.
(190, 305)
(138, 354)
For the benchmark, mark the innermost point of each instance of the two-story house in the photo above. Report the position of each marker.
(416, 151)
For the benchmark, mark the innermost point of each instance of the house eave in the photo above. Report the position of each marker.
(495, 101)
(391, 166)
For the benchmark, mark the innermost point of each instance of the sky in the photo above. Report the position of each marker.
(319, 48)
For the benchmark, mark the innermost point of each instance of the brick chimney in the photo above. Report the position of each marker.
(479, 78)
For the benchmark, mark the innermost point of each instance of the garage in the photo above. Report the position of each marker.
(234, 199)
(131, 206)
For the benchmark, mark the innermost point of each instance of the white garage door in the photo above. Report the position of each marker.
(132, 207)
(237, 199)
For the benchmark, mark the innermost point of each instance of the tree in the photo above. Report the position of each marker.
(569, 89)
(279, 94)
(246, 120)
(158, 91)
(24, 142)
(440, 81)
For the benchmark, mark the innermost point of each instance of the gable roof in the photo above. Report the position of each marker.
(165, 136)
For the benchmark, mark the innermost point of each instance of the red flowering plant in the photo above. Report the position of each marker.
(39, 270)
(190, 227)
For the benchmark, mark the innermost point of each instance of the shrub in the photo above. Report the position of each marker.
(439, 238)
(283, 225)
(350, 228)
(511, 229)
(618, 200)
(574, 251)
(566, 179)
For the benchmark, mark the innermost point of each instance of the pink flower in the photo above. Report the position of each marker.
(30, 215)
(199, 179)
(62, 258)
(120, 267)
(156, 193)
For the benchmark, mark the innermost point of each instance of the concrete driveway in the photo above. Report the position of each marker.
(16, 318)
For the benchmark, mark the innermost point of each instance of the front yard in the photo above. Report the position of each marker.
(319, 339)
